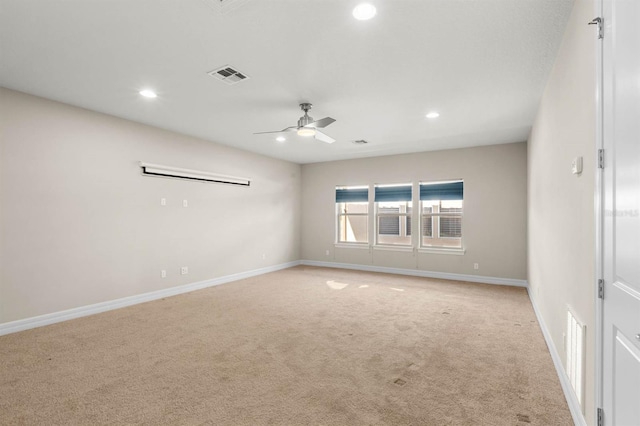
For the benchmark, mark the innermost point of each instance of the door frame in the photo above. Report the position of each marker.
(599, 214)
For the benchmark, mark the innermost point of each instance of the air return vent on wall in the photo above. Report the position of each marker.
(574, 345)
(178, 173)
(228, 74)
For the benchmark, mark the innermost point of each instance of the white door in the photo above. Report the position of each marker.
(621, 230)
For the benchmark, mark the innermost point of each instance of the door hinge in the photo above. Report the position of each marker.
(599, 22)
(600, 417)
(600, 288)
(601, 158)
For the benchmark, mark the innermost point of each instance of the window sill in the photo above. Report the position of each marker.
(406, 249)
(394, 248)
(352, 245)
(437, 250)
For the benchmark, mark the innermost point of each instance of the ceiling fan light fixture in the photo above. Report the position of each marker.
(306, 131)
(307, 126)
(364, 11)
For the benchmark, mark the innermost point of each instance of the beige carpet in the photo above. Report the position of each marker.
(302, 346)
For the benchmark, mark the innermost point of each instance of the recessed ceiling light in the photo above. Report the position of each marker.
(281, 139)
(364, 11)
(433, 115)
(148, 93)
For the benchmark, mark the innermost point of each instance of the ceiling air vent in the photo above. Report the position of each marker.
(360, 142)
(224, 6)
(228, 74)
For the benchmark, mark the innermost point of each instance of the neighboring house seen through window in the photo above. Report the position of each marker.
(441, 214)
(352, 205)
(393, 214)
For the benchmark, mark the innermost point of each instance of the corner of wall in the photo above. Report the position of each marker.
(561, 222)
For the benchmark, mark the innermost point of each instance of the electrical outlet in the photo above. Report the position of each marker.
(185, 203)
(326, 252)
(476, 266)
(163, 273)
(163, 201)
(264, 256)
(184, 270)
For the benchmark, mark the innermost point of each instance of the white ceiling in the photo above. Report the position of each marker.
(481, 63)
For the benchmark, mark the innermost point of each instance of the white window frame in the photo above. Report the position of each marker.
(435, 222)
(402, 218)
(339, 214)
(435, 226)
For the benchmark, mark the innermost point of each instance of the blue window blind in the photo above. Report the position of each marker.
(442, 191)
(393, 193)
(352, 195)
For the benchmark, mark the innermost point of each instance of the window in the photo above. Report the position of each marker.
(352, 205)
(387, 216)
(393, 214)
(441, 214)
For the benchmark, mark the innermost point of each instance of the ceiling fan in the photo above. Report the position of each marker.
(307, 126)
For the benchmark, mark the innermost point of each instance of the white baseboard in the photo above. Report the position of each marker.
(55, 317)
(83, 311)
(569, 394)
(419, 273)
(42, 320)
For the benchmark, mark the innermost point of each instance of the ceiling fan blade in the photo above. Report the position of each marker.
(288, 129)
(264, 133)
(323, 122)
(323, 138)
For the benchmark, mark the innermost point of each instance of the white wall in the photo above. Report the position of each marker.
(561, 205)
(80, 225)
(495, 203)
